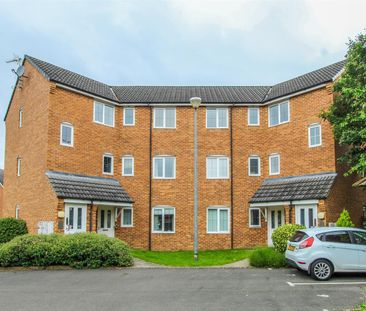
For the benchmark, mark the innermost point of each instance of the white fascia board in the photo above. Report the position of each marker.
(119, 204)
(302, 202)
(268, 204)
(74, 201)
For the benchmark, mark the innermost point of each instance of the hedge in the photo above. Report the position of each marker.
(84, 250)
(267, 258)
(10, 228)
(282, 234)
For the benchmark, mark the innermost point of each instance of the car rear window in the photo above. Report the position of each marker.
(299, 236)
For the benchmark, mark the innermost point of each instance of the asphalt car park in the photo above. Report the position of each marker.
(177, 289)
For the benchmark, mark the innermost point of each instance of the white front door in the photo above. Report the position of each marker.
(306, 215)
(106, 220)
(276, 218)
(75, 219)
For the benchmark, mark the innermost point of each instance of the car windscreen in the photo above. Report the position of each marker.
(299, 236)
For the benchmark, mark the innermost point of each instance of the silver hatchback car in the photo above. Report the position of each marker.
(323, 251)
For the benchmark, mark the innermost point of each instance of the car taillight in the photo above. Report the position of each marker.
(307, 243)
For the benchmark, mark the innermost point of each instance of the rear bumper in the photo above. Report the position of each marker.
(293, 260)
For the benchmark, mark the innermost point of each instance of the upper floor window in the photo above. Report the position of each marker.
(127, 217)
(274, 164)
(103, 114)
(217, 118)
(163, 220)
(129, 116)
(19, 166)
(279, 113)
(20, 117)
(315, 135)
(108, 164)
(66, 135)
(217, 167)
(164, 167)
(253, 116)
(127, 166)
(254, 166)
(164, 117)
(217, 220)
(254, 217)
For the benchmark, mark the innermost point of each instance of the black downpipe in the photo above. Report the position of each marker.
(150, 175)
(231, 178)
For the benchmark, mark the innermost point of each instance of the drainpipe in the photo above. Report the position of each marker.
(231, 179)
(290, 213)
(91, 216)
(150, 175)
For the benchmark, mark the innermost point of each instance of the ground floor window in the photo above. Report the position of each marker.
(217, 220)
(306, 215)
(75, 219)
(254, 217)
(127, 217)
(163, 219)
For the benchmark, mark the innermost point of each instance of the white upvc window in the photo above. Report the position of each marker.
(254, 218)
(127, 166)
(103, 114)
(66, 135)
(108, 164)
(274, 164)
(279, 113)
(127, 217)
(254, 165)
(163, 219)
(315, 135)
(253, 116)
(164, 167)
(19, 166)
(75, 219)
(306, 215)
(129, 116)
(217, 167)
(17, 211)
(217, 118)
(165, 117)
(20, 117)
(218, 220)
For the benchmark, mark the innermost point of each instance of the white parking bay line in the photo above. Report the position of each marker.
(292, 284)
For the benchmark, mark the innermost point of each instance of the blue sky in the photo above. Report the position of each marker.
(177, 42)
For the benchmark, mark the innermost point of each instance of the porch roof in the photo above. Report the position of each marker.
(83, 187)
(305, 187)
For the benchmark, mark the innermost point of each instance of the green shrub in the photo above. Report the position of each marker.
(282, 234)
(10, 228)
(344, 220)
(84, 250)
(267, 258)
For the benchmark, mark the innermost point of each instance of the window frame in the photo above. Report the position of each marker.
(162, 207)
(122, 217)
(164, 118)
(314, 125)
(112, 164)
(66, 124)
(287, 102)
(163, 157)
(128, 157)
(259, 165)
(20, 124)
(133, 116)
(250, 217)
(218, 209)
(217, 117)
(258, 116)
(218, 157)
(273, 155)
(19, 166)
(103, 122)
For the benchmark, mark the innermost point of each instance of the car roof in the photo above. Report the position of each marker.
(316, 230)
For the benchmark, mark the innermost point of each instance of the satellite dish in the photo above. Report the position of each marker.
(20, 71)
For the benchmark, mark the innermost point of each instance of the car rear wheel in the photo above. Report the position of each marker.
(321, 270)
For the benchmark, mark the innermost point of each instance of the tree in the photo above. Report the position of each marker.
(347, 114)
(344, 220)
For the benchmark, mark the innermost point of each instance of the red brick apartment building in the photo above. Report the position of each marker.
(85, 156)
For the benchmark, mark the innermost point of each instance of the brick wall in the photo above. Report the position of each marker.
(1, 200)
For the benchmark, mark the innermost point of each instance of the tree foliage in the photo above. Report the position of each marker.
(345, 220)
(347, 114)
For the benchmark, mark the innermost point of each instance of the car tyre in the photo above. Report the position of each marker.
(321, 270)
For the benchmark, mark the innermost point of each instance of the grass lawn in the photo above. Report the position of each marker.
(185, 258)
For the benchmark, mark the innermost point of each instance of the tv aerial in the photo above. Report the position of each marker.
(19, 72)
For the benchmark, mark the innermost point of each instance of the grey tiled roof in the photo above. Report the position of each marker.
(2, 176)
(82, 187)
(306, 187)
(72, 79)
(182, 94)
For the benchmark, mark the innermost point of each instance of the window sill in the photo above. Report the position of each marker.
(278, 124)
(107, 125)
(127, 226)
(226, 232)
(251, 175)
(163, 232)
(315, 146)
(253, 125)
(69, 146)
(108, 174)
(255, 227)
